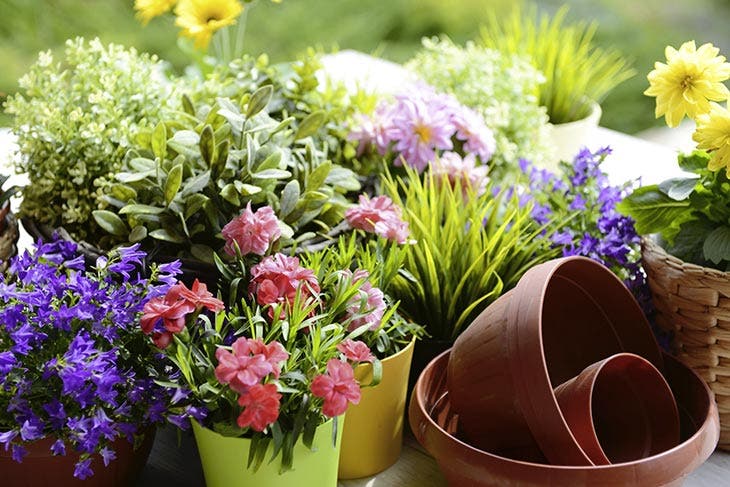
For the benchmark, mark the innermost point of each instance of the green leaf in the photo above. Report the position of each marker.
(272, 174)
(230, 194)
(717, 245)
(259, 100)
(310, 125)
(221, 158)
(186, 137)
(138, 234)
(172, 185)
(137, 209)
(654, 211)
(133, 177)
(289, 198)
(196, 184)
(122, 192)
(694, 162)
(167, 235)
(678, 188)
(110, 222)
(689, 240)
(317, 177)
(207, 144)
(194, 203)
(159, 141)
(271, 162)
(187, 105)
(202, 253)
(142, 164)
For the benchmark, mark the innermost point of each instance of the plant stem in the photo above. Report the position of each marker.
(241, 32)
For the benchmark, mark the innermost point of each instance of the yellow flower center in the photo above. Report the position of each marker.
(687, 82)
(424, 133)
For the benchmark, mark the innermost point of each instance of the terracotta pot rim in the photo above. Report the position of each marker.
(709, 419)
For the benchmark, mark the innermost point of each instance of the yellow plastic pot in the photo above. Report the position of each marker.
(373, 432)
(224, 460)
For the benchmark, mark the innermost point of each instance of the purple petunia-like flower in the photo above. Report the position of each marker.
(74, 355)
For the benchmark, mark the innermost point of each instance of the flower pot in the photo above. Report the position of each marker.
(436, 427)
(620, 409)
(372, 433)
(40, 468)
(224, 460)
(569, 137)
(562, 316)
(693, 304)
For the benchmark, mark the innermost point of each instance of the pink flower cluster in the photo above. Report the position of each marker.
(378, 215)
(420, 123)
(355, 351)
(337, 388)
(277, 278)
(244, 369)
(452, 168)
(368, 303)
(251, 232)
(165, 315)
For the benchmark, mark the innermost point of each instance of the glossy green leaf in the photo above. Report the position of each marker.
(110, 222)
(138, 209)
(289, 198)
(317, 177)
(717, 245)
(159, 141)
(138, 234)
(310, 125)
(654, 211)
(173, 182)
(167, 235)
(259, 100)
(207, 144)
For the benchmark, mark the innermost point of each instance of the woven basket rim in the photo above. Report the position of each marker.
(651, 245)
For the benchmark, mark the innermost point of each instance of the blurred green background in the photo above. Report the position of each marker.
(389, 28)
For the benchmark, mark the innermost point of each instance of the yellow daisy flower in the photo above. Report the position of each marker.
(199, 19)
(713, 135)
(691, 78)
(148, 9)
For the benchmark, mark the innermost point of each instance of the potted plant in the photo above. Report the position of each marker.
(687, 262)
(8, 224)
(75, 119)
(578, 74)
(375, 424)
(274, 371)
(501, 87)
(76, 395)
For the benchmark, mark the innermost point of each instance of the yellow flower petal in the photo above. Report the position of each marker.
(149, 9)
(199, 19)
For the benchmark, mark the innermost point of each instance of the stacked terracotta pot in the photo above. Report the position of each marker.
(560, 382)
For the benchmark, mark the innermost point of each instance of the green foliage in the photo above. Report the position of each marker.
(468, 251)
(75, 120)
(576, 70)
(7, 193)
(382, 260)
(501, 87)
(691, 215)
(192, 174)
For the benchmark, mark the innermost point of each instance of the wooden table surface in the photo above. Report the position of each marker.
(179, 466)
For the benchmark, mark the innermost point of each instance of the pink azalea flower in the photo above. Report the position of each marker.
(450, 167)
(378, 215)
(369, 301)
(252, 232)
(355, 351)
(241, 369)
(200, 297)
(261, 407)
(170, 309)
(337, 387)
(274, 353)
(277, 278)
(470, 128)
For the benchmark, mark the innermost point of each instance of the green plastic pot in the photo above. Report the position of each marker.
(224, 460)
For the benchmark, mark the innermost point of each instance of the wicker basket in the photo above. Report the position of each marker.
(8, 241)
(693, 302)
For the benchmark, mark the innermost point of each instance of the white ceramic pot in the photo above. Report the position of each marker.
(569, 137)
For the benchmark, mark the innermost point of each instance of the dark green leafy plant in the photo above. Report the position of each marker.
(75, 120)
(193, 174)
(691, 214)
(576, 71)
(469, 250)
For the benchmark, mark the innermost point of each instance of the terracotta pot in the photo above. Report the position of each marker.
(436, 427)
(40, 468)
(562, 316)
(372, 433)
(620, 409)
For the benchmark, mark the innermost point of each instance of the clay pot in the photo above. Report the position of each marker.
(436, 427)
(562, 316)
(40, 468)
(620, 409)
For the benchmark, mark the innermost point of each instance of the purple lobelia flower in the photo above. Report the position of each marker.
(74, 352)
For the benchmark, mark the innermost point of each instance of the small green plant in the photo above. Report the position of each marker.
(75, 120)
(469, 250)
(501, 87)
(193, 174)
(576, 71)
